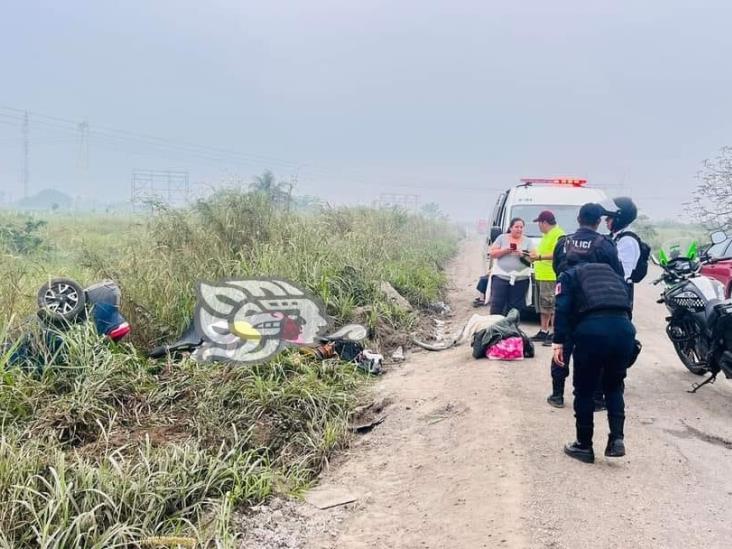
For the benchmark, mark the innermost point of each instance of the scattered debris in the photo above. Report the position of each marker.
(366, 427)
(325, 497)
(398, 355)
(473, 325)
(440, 307)
(370, 362)
(439, 329)
(369, 416)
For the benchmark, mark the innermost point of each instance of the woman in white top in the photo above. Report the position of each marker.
(510, 275)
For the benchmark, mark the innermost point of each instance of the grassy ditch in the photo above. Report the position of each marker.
(109, 449)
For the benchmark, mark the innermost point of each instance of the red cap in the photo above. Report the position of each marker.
(547, 216)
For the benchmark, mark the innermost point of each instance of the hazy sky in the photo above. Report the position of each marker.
(450, 100)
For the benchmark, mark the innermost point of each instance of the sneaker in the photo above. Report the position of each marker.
(548, 340)
(541, 335)
(580, 452)
(556, 401)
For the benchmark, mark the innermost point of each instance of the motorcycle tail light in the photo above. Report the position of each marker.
(119, 332)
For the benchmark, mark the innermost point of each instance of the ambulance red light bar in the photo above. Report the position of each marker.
(560, 181)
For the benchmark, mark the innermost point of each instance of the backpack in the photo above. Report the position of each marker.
(641, 268)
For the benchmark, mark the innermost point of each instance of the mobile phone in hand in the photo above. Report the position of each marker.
(512, 245)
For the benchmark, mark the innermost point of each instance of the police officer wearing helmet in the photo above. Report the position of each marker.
(593, 312)
(629, 251)
(586, 245)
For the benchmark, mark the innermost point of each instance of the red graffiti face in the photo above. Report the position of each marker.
(290, 329)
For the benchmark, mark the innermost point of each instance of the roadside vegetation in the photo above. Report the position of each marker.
(106, 448)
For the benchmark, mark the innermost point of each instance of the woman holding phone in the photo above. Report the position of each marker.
(511, 272)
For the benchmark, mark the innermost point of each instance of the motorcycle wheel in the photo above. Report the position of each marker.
(61, 299)
(690, 356)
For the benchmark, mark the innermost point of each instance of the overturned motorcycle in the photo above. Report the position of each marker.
(62, 303)
(700, 321)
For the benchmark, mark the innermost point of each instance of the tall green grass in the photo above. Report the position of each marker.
(104, 448)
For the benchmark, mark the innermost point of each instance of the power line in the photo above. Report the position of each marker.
(83, 134)
(108, 136)
(72, 125)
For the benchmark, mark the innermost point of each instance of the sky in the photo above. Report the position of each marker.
(450, 101)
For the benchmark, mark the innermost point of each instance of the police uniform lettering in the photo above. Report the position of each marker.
(585, 246)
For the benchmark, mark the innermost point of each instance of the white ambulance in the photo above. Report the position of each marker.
(563, 197)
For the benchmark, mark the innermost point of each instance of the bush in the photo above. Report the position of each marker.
(21, 237)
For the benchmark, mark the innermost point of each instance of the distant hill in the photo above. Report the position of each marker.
(47, 199)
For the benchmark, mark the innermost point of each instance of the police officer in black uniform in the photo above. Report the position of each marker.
(593, 311)
(586, 245)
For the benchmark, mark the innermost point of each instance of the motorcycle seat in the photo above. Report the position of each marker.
(720, 310)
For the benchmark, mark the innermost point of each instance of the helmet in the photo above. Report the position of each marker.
(625, 214)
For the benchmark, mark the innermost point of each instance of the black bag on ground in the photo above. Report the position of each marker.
(504, 328)
(529, 351)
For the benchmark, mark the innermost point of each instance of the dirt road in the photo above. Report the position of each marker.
(470, 454)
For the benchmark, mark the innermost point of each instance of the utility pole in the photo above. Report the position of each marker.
(83, 128)
(293, 182)
(26, 171)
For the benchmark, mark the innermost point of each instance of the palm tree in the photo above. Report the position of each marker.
(265, 183)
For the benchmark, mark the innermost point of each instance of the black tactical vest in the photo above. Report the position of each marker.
(600, 288)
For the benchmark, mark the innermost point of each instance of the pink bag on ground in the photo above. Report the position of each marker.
(511, 348)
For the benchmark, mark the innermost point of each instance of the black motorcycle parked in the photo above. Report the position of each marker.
(700, 321)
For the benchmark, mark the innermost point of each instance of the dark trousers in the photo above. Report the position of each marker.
(562, 372)
(603, 346)
(505, 297)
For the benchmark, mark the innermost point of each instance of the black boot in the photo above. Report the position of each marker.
(615, 443)
(556, 399)
(581, 452)
(582, 448)
(615, 447)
